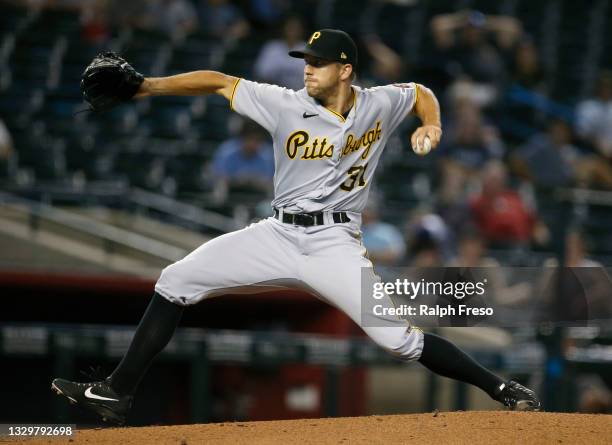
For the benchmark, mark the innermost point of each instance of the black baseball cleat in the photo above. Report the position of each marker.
(98, 397)
(516, 397)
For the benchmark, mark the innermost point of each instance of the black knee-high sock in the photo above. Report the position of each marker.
(444, 358)
(152, 335)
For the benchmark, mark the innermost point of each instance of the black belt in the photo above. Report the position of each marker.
(310, 219)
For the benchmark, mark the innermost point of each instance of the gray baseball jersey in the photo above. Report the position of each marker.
(324, 162)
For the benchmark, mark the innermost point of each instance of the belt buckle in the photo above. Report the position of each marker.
(303, 219)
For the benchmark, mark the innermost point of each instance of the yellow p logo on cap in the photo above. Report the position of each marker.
(313, 37)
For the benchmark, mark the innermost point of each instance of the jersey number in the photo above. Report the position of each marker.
(356, 175)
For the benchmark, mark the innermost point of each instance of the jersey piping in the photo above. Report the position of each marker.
(233, 93)
(354, 106)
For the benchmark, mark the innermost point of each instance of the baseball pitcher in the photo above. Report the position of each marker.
(328, 138)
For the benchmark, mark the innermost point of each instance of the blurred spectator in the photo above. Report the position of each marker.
(268, 13)
(223, 20)
(470, 144)
(499, 212)
(425, 251)
(469, 30)
(273, 65)
(471, 252)
(523, 106)
(7, 152)
(461, 40)
(594, 117)
(177, 18)
(134, 13)
(550, 160)
(95, 27)
(387, 29)
(547, 159)
(527, 70)
(382, 44)
(180, 18)
(451, 202)
(474, 141)
(246, 161)
(428, 239)
(585, 283)
(576, 254)
(384, 242)
(578, 292)
(455, 211)
(387, 66)
(464, 89)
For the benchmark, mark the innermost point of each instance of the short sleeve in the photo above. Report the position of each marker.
(402, 99)
(258, 101)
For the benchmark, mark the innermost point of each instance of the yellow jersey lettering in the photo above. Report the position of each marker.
(369, 138)
(348, 146)
(299, 140)
(317, 150)
(327, 153)
(366, 141)
(295, 140)
(310, 151)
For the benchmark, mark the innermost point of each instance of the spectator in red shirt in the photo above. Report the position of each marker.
(500, 213)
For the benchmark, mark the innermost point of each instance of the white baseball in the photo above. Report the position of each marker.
(423, 148)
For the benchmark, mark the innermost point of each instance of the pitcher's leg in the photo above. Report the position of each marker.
(112, 398)
(343, 287)
(257, 255)
(340, 278)
(444, 358)
(154, 331)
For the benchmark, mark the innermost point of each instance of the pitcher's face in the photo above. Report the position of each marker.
(322, 77)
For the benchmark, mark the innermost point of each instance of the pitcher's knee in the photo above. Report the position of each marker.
(174, 285)
(408, 347)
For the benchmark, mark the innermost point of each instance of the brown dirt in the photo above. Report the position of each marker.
(473, 427)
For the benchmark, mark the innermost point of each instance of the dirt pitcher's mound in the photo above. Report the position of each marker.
(473, 427)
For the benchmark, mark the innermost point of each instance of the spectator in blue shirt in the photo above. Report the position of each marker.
(245, 162)
(384, 241)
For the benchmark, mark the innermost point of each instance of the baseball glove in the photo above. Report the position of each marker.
(108, 81)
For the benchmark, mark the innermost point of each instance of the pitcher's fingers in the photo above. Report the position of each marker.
(413, 139)
(434, 136)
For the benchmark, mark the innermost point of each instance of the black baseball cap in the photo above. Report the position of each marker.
(329, 44)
